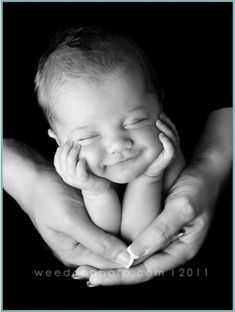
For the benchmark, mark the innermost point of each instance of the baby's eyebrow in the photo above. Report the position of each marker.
(79, 128)
(82, 127)
(136, 108)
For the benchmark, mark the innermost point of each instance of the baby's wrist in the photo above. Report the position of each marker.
(150, 178)
(95, 193)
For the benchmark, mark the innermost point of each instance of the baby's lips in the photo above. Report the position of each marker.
(112, 161)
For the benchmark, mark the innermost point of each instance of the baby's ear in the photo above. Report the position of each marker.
(53, 135)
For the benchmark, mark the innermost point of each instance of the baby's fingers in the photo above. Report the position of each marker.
(170, 124)
(61, 156)
(63, 152)
(56, 161)
(168, 148)
(163, 127)
(82, 171)
(72, 159)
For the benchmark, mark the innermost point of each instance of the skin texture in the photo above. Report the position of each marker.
(99, 196)
(112, 120)
(57, 210)
(189, 208)
(107, 131)
(67, 230)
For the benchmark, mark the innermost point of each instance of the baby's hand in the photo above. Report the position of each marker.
(74, 171)
(170, 141)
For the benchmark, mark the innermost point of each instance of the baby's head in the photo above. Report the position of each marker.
(99, 90)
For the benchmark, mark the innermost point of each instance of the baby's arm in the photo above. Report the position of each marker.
(140, 206)
(142, 199)
(100, 199)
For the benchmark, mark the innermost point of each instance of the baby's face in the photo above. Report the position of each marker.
(113, 121)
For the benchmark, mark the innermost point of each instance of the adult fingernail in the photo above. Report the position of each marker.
(125, 259)
(137, 250)
(177, 236)
(77, 277)
(89, 284)
(132, 254)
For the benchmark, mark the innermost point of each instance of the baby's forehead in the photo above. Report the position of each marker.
(128, 71)
(130, 75)
(124, 86)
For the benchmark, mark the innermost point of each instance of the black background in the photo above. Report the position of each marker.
(190, 44)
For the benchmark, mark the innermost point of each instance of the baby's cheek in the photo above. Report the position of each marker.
(152, 143)
(92, 156)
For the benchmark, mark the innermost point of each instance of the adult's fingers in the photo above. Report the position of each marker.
(68, 251)
(161, 231)
(180, 250)
(177, 253)
(134, 275)
(63, 211)
(99, 242)
(87, 257)
(84, 272)
(154, 266)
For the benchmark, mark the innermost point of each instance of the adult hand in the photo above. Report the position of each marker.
(188, 209)
(57, 210)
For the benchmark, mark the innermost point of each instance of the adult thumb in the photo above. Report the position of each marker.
(101, 243)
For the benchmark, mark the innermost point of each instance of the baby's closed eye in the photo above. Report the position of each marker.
(88, 139)
(136, 123)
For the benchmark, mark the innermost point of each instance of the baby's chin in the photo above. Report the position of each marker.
(124, 178)
(126, 175)
(121, 180)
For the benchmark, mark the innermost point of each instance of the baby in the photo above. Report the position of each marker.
(103, 104)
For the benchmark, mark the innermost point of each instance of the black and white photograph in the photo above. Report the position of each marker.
(117, 156)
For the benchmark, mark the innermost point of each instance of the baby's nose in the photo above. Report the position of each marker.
(117, 145)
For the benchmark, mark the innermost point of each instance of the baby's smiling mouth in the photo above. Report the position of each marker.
(122, 159)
